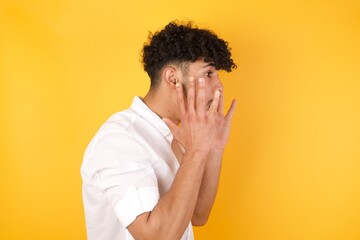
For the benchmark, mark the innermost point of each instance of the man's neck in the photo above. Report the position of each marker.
(161, 102)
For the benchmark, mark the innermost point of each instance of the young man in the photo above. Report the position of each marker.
(144, 175)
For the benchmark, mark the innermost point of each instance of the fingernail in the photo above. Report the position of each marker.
(201, 80)
(177, 85)
(217, 93)
(191, 79)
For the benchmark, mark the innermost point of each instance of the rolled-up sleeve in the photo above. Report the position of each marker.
(122, 170)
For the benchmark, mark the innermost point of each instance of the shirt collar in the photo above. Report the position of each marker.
(141, 109)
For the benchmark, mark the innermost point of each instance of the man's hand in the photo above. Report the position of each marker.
(201, 128)
(198, 124)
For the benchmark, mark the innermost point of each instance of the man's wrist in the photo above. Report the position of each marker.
(216, 153)
(196, 154)
(215, 150)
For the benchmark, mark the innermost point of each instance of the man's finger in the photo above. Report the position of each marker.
(180, 100)
(173, 128)
(191, 94)
(215, 102)
(200, 99)
(230, 113)
(221, 103)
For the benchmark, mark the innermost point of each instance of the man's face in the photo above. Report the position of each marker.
(206, 70)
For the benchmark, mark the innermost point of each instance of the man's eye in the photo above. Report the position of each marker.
(208, 74)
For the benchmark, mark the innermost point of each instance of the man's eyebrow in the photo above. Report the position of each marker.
(209, 64)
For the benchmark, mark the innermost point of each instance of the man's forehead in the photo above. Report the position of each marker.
(200, 63)
(207, 64)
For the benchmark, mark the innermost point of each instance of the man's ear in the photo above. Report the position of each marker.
(169, 75)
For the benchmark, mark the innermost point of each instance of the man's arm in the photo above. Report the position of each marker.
(208, 189)
(173, 212)
(211, 177)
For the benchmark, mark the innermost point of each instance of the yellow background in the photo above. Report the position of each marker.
(292, 168)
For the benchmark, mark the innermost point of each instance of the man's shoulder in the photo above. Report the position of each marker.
(120, 124)
(116, 135)
(120, 121)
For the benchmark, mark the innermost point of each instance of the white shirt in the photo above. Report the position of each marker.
(127, 167)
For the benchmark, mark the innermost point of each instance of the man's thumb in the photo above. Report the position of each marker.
(172, 126)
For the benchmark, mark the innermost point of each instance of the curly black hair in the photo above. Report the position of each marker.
(178, 43)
